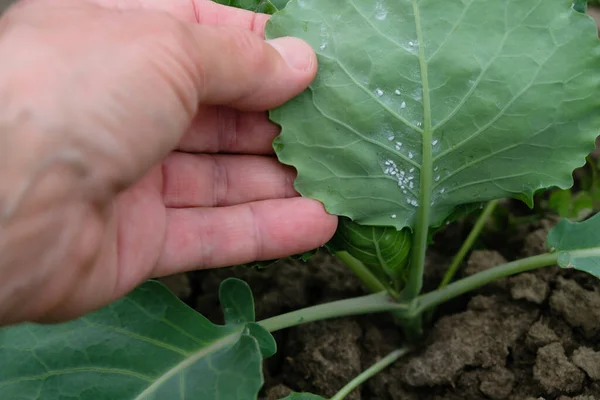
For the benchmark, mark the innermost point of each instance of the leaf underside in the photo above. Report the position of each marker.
(577, 244)
(501, 93)
(148, 345)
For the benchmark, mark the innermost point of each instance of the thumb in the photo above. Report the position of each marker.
(234, 67)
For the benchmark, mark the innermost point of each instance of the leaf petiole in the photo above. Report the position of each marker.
(468, 243)
(439, 296)
(383, 302)
(362, 272)
(370, 372)
(378, 302)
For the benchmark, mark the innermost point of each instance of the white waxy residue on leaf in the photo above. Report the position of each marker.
(380, 11)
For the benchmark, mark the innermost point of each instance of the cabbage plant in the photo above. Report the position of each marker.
(422, 111)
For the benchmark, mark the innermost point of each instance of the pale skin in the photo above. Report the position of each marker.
(134, 143)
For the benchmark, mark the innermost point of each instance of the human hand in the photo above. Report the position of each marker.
(134, 144)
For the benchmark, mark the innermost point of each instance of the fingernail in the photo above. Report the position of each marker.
(296, 52)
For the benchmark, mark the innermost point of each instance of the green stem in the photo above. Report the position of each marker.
(417, 266)
(468, 243)
(373, 303)
(370, 372)
(437, 297)
(362, 272)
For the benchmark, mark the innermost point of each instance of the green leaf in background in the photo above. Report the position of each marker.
(148, 345)
(577, 244)
(575, 206)
(261, 6)
(280, 4)
(580, 5)
(427, 103)
(384, 250)
(303, 396)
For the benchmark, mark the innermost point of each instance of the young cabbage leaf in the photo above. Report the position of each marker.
(148, 345)
(421, 106)
(577, 244)
(384, 250)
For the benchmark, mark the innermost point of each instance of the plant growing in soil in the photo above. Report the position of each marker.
(422, 111)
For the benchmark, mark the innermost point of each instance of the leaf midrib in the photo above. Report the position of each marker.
(415, 279)
(187, 362)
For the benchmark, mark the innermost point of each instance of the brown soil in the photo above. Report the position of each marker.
(532, 336)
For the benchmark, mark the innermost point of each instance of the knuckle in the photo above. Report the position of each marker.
(250, 46)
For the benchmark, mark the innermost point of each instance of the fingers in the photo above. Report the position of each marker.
(216, 237)
(199, 11)
(218, 129)
(223, 180)
(236, 68)
(229, 62)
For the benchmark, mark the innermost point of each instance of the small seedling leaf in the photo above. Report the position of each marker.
(427, 103)
(577, 244)
(266, 341)
(236, 301)
(148, 345)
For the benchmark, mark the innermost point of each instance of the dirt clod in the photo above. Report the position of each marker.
(530, 287)
(554, 371)
(497, 383)
(480, 336)
(535, 242)
(540, 335)
(278, 392)
(324, 356)
(481, 260)
(578, 306)
(588, 360)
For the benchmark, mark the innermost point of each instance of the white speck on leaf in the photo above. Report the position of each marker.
(434, 142)
(390, 138)
(403, 105)
(437, 178)
(410, 155)
(379, 92)
(393, 215)
(397, 91)
(380, 11)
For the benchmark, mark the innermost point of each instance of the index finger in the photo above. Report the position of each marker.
(204, 12)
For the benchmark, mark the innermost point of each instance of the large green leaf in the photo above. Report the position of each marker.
(148, 345)
(578, 244)
(428, 103)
